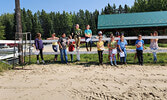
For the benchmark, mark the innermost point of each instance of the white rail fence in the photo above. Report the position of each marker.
(76, 52)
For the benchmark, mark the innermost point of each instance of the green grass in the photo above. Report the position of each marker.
(4, 66)
(92, 59)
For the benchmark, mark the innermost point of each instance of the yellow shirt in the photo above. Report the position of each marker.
(54, 43)
(100, 44)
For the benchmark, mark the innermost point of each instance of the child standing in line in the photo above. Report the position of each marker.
(39, 47)
(63, 42)
(54, 44)
(154, 45)
(139, 48)
(112, 45)
(71, 47)
(100, 49)
(122, 43)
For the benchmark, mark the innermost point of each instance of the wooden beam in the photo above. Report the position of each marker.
(19, 29)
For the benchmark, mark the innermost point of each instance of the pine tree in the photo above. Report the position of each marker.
(2, 31)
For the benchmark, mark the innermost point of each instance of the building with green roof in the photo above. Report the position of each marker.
(133, 21)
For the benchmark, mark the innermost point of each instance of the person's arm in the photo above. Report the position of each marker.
(126, 43)
(56, 38)
(80, 32)
(151, 40)
(120, 48)
(59, 43)
(68, 41)
(50, 38)
(98, 46)
(42, 46)
(109, 46)
(143, 46)
(136, 45)
(90, 34)
(36, 45)
(86, 35)
(115, 45)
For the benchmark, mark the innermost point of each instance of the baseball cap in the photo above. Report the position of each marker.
(100, 32)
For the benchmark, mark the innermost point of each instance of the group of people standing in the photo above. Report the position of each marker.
(114, 47)
(64, 42)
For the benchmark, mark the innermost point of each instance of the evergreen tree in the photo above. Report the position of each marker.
(2, 31)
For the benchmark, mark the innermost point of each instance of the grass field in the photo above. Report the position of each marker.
(4, 66)
(92, 59)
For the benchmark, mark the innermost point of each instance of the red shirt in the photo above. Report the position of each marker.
(71, 47)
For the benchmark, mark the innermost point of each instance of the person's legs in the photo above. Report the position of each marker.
(86, 44)
(41, 53)
(71, 57)
(155, 56)
(118, 53)
(78, 54)
(65, 55)
(90, 43)
(37, 57)
(121, 59)
(141, 52)
(111, 59)
(138, 56)
(115, 60)
(55, 47)
(79, 39)
(61, 55)
(101, 57)
(125, 59)
(76, 40)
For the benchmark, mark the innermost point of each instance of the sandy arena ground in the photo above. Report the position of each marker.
(76, 82)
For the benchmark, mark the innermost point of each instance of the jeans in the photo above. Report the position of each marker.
(55, 47)
(63, 53)
(100, 53)
(154, 54)
(90, 42)
(140, 56)
(123, 59)
(41, 54)
(71, 57)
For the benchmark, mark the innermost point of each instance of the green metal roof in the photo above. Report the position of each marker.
(132, 20)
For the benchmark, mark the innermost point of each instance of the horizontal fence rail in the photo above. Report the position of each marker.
(76, 52)
(83, 40)
(105, 52)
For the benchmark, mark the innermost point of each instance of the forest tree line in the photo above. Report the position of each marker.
(56, 22)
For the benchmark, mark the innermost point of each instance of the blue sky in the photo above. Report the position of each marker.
(7, 6)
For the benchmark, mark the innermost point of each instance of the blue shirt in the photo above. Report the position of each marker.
(122, 44)
(88, 32)
(141, 43)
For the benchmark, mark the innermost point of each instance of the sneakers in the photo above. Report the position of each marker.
(43, 61)
(37, 61)
(111, 64)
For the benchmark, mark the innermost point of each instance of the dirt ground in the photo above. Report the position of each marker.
(76, 82)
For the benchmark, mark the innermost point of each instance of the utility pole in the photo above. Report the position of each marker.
(18, 34)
